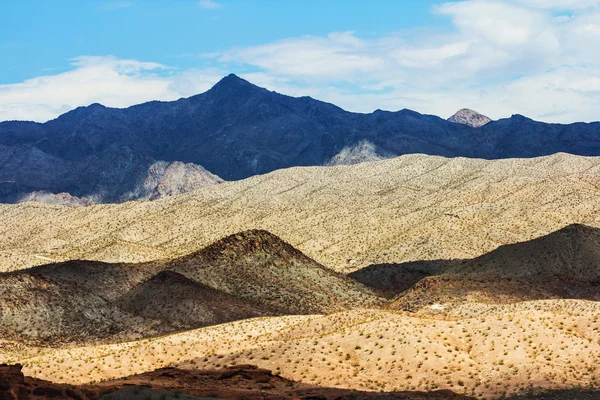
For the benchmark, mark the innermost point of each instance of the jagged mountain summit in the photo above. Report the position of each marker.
(236, 130)
(469, 117)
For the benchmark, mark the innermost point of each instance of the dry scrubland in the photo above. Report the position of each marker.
(405, 209)
(413, 207)
(483, 350)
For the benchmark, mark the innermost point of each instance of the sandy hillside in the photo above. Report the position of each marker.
(561, 265)
(413, 207)
(486, 350)
(249, 274)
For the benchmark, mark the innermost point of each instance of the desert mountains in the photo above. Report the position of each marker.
(254, 274)
(410, 208)
(236, 130)
(405, 275)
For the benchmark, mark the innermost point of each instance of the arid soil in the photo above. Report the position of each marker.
(410, 208)
(479, 350)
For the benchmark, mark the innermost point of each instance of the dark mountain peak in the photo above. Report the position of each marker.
(407, 111)
(233, 82)
(519, 118)
(81, 112)
(233, 78)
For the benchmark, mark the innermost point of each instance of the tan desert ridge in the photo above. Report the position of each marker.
(409, 208)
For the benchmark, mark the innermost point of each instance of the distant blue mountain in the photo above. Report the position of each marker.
(236, 130)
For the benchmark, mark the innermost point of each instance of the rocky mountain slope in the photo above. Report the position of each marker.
(168, 179)
(469, 117)
(563, 264)
(250, 274)
(363, 152)
(236, 130)
(410, 208)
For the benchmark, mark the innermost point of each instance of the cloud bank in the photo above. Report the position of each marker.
(533, 57)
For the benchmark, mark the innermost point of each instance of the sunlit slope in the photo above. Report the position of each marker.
(413, 207)
(486, 350)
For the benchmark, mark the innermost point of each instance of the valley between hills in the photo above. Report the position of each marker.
(412, 277)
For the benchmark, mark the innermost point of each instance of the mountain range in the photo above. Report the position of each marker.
(236, 130)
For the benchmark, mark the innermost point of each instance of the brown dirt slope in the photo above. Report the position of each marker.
(563, 264)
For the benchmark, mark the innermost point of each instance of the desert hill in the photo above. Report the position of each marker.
(184, 303)
(480, 350)
(563, 264)
(392, 279)
(571, 254)
(236, 130)
(409, 208)
(250, 274)
(37, 308)
(107, 280)
(260, 267)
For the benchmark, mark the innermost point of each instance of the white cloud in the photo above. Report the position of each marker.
(339, 54)
(106, 80)
(533, 57)
(560, 4)
(209, 4)
(500, 58)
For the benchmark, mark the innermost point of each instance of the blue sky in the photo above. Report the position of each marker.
(533, 57)
(41, 36)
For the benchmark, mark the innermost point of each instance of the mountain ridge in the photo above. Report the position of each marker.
(236, 130)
